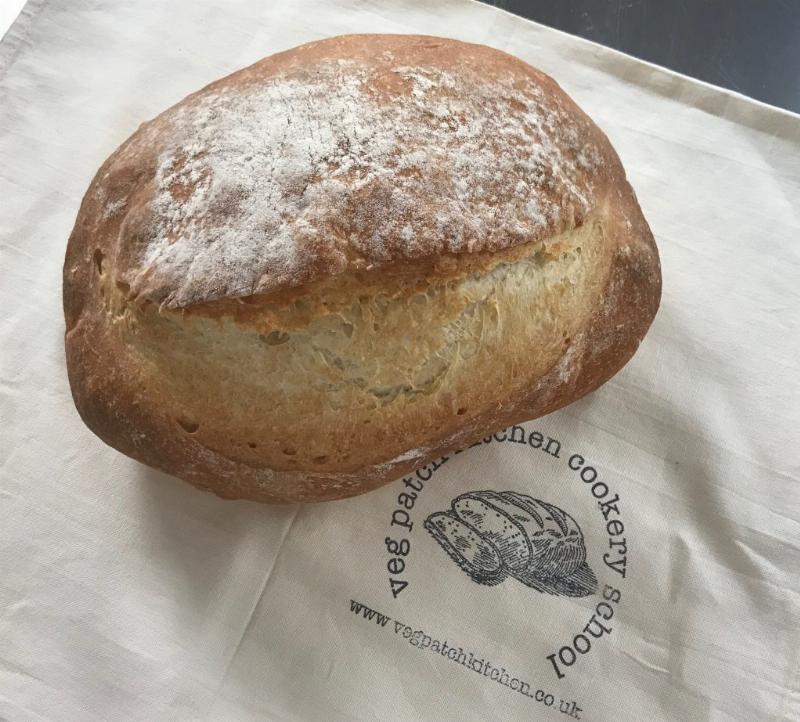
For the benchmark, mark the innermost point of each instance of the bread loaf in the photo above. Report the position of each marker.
(324, 270)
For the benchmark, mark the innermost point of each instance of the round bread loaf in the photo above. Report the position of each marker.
(326, 269)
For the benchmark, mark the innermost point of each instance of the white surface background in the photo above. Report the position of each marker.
(125, 594)
(9, 9)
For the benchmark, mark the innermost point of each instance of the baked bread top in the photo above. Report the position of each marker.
(346, 154)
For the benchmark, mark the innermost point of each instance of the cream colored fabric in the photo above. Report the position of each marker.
(128, 595)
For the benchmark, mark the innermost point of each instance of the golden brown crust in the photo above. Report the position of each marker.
(345, 154)
(129, 361)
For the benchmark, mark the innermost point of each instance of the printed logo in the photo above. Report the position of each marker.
(523, 532)
(492, 536)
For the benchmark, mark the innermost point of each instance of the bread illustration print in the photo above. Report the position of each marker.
(492, 535)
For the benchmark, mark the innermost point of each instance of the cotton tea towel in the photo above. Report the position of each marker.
(674, 489)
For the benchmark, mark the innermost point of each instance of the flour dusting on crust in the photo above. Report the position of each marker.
(294, 176)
